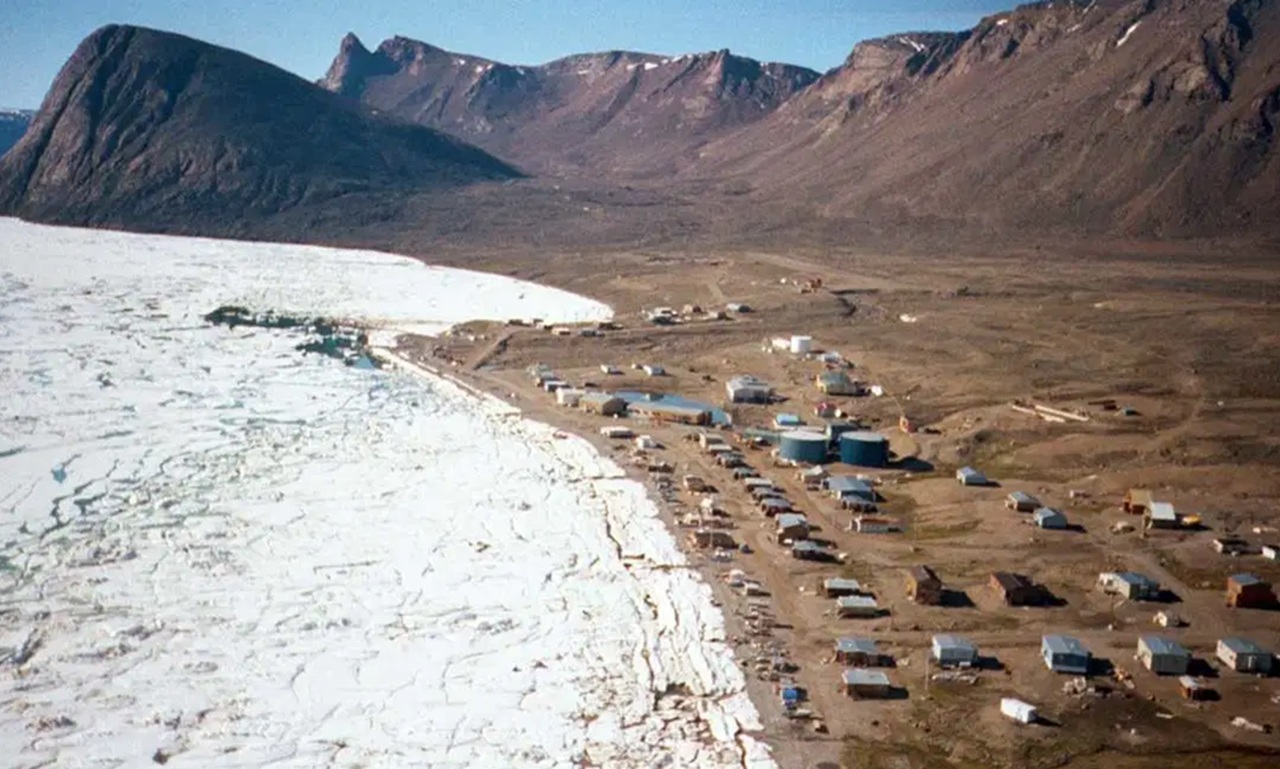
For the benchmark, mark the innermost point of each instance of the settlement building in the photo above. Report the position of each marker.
(1022, 502)
(1129, 585)
(748, 389)
(1015, 589)
(808, 550)
(858, 652)
(866, 684)
(923, 586)
(1064, 654)
(1049, 518)
(658, 411)
(1137, 501)
(837, 383)
(970, 477)
(834, 587)
(792, 526)
(1163, 656)
(872, 524)
(1271, 551)
(954, 651)
(1161, 515)
(1244, 656)
(857, 606)
(604, 404)
(1248, 591)
(846, 488)
(1022, 712)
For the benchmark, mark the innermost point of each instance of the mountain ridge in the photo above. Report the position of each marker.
(151, 126)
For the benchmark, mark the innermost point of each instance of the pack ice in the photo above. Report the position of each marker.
(217, 552)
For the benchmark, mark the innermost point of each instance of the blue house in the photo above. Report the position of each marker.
(1049, 518)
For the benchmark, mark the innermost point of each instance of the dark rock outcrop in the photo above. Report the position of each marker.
(149, 129)
(13, 124)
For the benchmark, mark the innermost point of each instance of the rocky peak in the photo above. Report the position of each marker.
(353, 65)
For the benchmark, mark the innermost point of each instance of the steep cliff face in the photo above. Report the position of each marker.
(617, 112)
(1136, 116)
(145, 128)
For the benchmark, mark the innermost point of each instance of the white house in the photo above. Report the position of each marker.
(1022, 712)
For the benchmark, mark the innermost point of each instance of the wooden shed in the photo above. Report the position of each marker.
(923, 586)
(1137, 501)
(1015, 589)
(1248, 591)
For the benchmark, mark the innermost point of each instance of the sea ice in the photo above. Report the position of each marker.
(219, 553)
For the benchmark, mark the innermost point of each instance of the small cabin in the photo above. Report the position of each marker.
(1065, 654)
(1022, 502)
(866, 684)
(1163, 656)
(967, 476)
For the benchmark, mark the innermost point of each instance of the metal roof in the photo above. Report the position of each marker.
(1064, 644)
(841, 583)
(1245, 580)
(946, 641)
(808, 545)
(1049, 512)
(1134, 578)
(847, 484)
(776, 502)
(856, 646)
(834, 377)
(1024, 498)
(1162, 511)
(598, 397)
(861, 677)
(787, 520)
(856, 602)
(968, 471)
(1160, 645)
(1009, 581)
(1243, 646)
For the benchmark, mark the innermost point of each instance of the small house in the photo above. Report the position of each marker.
(857, 607)
(748, 389)
(1065, 654)
(954, 651)
(658, 411)
(866, 684)
(967, 476)
(792, 526)
(696, 484)
(1129, 585)
(1244, 656)
(617, 433)
(870, 524)
(1018, 710)
(1022, 502)
(1137, 501)
(847, 487)
(554, 385)
(738, 307)
(1015, 589)
(609, 369)
(647, 443)
(772, 506)
(1193, 688)
(1271, 551)
(1163, 656)
(569, 397)
(787, 421)
(706, 440)
(712, 538)
(812, 477)
(837, 383)
(808, 550)
(858, 652)
(923, 586)
(835, 587)
(1232, 546)
(1049, 518)
(1249, 591)
(1161, 515)
(603, 404)
(653, 369)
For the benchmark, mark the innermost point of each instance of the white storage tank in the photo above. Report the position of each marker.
(801, 345)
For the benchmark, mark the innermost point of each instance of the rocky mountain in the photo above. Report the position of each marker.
(621, 113)
(154, 130)
(13, 124)
(1148, 117)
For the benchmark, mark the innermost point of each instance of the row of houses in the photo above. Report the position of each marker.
(1159, 654)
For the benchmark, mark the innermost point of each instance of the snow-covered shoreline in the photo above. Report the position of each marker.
(236, 556)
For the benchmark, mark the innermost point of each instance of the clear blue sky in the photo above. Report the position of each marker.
(37, 36)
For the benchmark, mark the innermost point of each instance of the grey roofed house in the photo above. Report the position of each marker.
(1131, 585)
(954, 650)
(748, 389)
(1064, 654)
(1049, 518)
(970, 477)
(1163, 655)
(807, 548)
(860, 605)
(856, 646)
(841, 586)
(787, 520)
(1023, 502)
(843, 486)
(1244, 656)
(774, 503)
(864, 677)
